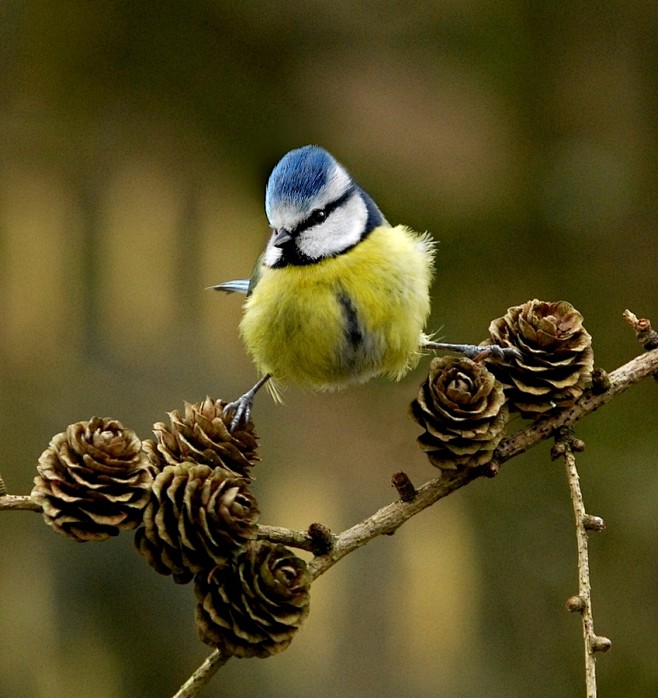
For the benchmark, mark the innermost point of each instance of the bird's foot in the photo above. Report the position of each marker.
(242, 406)
(477, 352)
(241, 410)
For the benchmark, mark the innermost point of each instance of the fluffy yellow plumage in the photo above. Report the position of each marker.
(346, 318)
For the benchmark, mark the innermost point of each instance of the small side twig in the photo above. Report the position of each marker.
(18, 502)
(582, 603)
(286, 536)
(646, 335)
(202, 675)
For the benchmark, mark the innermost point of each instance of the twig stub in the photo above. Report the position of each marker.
(593, 523)
(600, 643)
(575, 604)
(646, 335)
(322, 540)
(600, 381)
(404, 486)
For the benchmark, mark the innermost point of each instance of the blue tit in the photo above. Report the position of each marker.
(339, 295)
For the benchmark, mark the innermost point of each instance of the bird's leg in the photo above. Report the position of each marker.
(241, 407)
(474, 351)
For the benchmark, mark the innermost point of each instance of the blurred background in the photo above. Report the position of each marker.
(135, 142)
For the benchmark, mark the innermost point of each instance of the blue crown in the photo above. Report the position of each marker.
(298, 178)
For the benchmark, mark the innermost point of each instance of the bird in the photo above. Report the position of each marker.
(339, 296)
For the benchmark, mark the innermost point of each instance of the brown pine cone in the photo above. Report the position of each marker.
(462, 408)
(196, 518)
(94, 480)
(253, 605)
(556, 356)
(202, 435)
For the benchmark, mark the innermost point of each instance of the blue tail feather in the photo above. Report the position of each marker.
(236, 286)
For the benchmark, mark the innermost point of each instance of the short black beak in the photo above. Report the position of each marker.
(282, 237)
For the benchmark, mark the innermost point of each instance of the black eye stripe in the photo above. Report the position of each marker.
(319, 215)
(316, 216)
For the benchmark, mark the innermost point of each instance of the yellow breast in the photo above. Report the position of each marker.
(344, 319)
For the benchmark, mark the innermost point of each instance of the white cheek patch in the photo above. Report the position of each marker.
(340, 231)
(272, 254)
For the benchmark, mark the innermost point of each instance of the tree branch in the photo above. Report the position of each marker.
(620, 380)
(390, 517)
(19, 502)
(286, 536)
(565, 446)
(202, 675)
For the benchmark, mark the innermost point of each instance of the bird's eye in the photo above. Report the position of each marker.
(317, 216)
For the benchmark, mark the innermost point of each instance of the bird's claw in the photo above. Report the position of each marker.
(475, 351)
(495, 351)
(241, 409)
